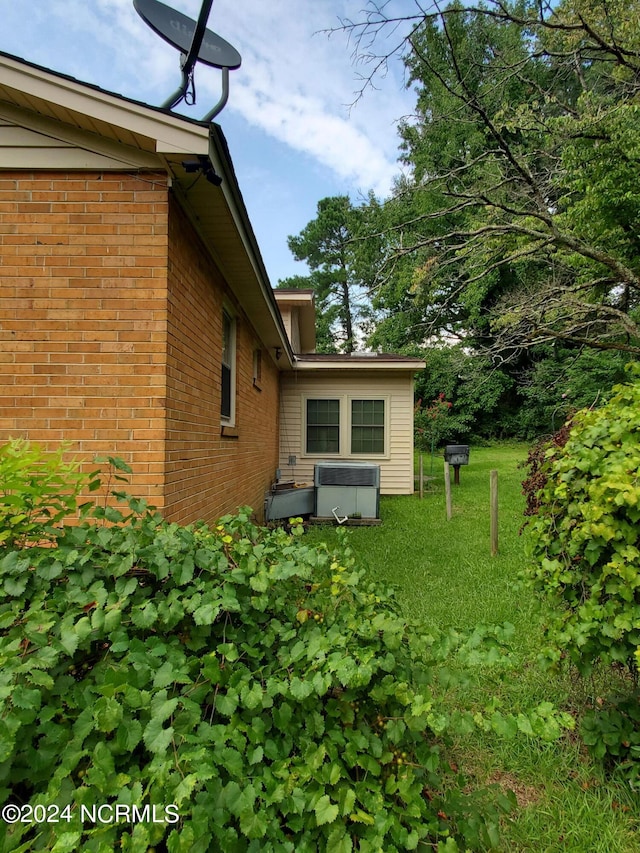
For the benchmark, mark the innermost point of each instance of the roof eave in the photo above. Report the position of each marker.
(378, 364)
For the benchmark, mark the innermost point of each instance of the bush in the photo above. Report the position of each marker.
(37, 492)
(585, 538)
(250, 692)
(585, 542)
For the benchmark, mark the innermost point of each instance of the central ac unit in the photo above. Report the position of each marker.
(347, 490)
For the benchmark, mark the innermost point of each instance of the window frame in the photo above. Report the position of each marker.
(373, 426)
(305, 438)
(257, 368)
(345, 401)
(230, 346)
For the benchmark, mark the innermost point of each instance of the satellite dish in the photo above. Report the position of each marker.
(178, 30)
(195, 42)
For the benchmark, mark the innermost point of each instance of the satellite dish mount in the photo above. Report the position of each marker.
(196, 44)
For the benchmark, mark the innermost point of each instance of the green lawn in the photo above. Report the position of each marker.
(445, 576)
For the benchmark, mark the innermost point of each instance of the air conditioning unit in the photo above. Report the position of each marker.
(347, 490)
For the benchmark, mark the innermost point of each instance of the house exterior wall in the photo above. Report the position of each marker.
(211, 468)
(290, 318)
(83, 315)
(396, 388)
(110, 338)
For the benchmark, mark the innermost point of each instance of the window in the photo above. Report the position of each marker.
(323, 426)
(367, 426)
(346, 426)
(257, 367)
(227, 405)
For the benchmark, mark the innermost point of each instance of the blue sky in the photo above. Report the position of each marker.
(292, 136)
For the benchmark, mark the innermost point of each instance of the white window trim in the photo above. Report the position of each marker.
(386, 402)
(345, 425)
(326, 396)
(231, 419)
(257, 367)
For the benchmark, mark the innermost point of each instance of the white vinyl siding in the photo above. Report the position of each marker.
(394, 387)
(50, 146)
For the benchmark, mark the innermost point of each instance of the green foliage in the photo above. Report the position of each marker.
(259, 685)
(612, 733)
(329, 247)
(585, 538)
(517, 220)
(480, 395)
(585, 541)
(37, 491)
(561, 380)
(435, 422)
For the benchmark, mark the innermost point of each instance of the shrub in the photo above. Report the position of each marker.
(585, 542)
(585, 538)
(37, 492)
(254, 693)
(537, 463)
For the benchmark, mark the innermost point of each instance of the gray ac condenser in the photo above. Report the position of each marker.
(347, 490)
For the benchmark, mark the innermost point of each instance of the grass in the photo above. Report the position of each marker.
(446, 577)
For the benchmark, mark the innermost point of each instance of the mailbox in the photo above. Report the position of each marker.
(457, 454)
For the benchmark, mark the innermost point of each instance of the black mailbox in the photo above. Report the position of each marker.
(457, 454)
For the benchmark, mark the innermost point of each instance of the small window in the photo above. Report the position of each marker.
(323, 426)
(227, 404)
(257, 367)
(367, 426)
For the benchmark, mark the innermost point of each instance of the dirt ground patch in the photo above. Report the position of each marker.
(526, 795)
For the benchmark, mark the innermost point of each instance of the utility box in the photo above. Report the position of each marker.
(347, 490)
(457, 454)
(291, 502)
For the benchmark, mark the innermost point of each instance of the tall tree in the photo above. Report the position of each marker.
(328, 246)
(519, 222)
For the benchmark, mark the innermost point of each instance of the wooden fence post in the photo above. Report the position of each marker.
(494, 512)
(447, 489)
(421, 475)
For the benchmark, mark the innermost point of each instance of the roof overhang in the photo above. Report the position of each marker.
(303, 300)
(360, 362)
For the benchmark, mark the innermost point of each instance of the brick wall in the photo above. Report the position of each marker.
(208, 473)
(83, 286)
(104, 345)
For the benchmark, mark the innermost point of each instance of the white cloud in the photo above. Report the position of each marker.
(293, 85)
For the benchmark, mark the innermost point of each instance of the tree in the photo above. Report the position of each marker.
(327, 244)
(519, 222)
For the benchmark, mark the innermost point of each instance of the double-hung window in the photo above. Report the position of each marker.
(367, 427)
(346, 426)
(323, 426)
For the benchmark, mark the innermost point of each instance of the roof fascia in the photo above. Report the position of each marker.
(375, 364)
(172, 133)
(221, 159)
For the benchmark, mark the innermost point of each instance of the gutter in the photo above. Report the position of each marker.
(221, 159)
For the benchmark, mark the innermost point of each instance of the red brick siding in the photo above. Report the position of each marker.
(83, 315)
(209, 474)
